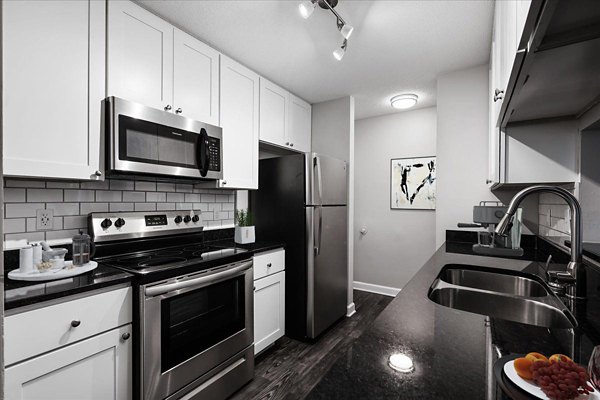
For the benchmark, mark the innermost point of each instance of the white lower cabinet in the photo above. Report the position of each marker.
(269, 310)
(95, 368)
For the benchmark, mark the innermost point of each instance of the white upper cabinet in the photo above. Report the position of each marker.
(140, 56)
(239, 119)
(299, 132)
(273, 113)
(195, 79)
(54, 82)
(285, 120)
(522, 11)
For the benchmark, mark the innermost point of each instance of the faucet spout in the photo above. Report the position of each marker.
(577, 289)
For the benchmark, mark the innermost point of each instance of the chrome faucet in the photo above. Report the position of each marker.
(574, 278)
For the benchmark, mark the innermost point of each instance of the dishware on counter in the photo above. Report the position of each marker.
(67, 271)
(81, 248)
(37, 253)
(594, 368)
(26, 260)
(56, 257)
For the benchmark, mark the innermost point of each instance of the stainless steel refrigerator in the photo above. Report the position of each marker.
(302, 201)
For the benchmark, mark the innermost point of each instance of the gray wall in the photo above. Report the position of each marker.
(589, 190)
(398, 242)
(333, 135)
(462, 146)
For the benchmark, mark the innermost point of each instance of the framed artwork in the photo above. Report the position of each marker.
(413, 183)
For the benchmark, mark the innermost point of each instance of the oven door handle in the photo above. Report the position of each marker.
(197, 282)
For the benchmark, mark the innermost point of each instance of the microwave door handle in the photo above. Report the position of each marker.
(197, 282)
(203, 152)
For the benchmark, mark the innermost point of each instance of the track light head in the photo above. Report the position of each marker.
(306, 8)
(346, 30)
(339, 53)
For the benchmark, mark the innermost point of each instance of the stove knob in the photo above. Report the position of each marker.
(119, 222)
(178, 219)
(106, 223)
(187, 219)
(195, 218)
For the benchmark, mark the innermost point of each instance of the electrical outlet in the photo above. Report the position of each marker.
(44, 220)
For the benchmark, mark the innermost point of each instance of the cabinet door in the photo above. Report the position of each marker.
(195, 79)
(522, 11)
(299, 132)
(140, 55)
(95, 368)
(273, 113)
(54, 79)
(269, 310)
(239, 120)
(508, 39)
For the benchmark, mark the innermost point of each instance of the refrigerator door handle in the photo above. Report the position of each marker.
(317, 165)
(319, 231)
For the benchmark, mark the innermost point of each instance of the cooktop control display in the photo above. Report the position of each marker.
(155, 220)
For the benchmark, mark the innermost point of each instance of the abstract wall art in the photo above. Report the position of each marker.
(413, 183)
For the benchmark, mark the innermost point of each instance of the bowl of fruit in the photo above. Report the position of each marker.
(556, 377)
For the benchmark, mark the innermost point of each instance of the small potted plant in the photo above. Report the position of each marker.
(244, 229)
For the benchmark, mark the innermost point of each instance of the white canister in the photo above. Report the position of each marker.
(26, 259)
(37, 254)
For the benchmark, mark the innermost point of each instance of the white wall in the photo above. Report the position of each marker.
(462, 143)
(333, 135)
(398, 242)
(589, 190)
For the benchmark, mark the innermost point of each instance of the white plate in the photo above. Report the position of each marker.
(532, 388)
(52, 275)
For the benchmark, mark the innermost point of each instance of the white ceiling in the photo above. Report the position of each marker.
(396, 47)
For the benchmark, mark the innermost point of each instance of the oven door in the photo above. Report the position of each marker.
(193, 324)
(145, 140)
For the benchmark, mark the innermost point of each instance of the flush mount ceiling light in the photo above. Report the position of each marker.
(404, 101)
(306, 9)
(401, 363)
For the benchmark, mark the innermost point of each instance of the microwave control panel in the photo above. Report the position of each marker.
(214, 151)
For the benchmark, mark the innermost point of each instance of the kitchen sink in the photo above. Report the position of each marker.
(492, 281)
(509, 295)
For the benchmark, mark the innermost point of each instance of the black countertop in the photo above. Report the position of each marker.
(21, 293)
(448, 346)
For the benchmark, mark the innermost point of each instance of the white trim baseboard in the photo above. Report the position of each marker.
(379, 289)
(350, 309)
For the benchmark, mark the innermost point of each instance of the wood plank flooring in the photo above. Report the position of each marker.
(290, 369)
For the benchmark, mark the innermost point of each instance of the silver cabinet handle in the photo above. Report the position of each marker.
(269, 265)
(168, 107)
(75, 323)
(178, 111)
(498, 95)
(126, 336)
(98, 173)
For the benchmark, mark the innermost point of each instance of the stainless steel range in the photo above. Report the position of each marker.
(194, 303)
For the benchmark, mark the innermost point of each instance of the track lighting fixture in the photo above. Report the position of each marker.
(306, 9)
(338, 54)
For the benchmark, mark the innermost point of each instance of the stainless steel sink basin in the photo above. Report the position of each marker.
(492, 281)
(497, 293)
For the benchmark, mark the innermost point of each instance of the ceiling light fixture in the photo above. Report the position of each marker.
(401, 363)
(306, 9)
(404, 101)
(338, 54)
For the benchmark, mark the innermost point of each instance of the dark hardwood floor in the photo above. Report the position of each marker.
(290, 368)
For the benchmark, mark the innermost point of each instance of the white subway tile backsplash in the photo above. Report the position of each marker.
(143, 186)
(135, 197)
(31, 224)
(221, 198)
(31, 236)
(214, 207)
(79, 221)
(117, 184)
(99, 185)
(165, 206)
(87, 208)
(79, 195)
(22, 209)
(16, 225)
(184, 206)
(24, 183)
(44, 195)
(62, 185)
(145, 207)
(109, 195)
(156, 197)
(214, 224)
(180, 187)
(227, 206)
(208, 215)
(175, 197)
(192, 198)
(120, 207)
(207, 198)
(64, 208)
(66, 235)
(13, 195)
(200, 206)
(165, 187)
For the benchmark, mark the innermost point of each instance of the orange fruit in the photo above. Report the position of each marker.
(559, 357)
(522, 367)
(533, 356)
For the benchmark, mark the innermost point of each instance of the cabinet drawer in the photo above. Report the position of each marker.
(268, 263)
(34, 332)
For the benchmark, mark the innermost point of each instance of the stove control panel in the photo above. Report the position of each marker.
(129, 225)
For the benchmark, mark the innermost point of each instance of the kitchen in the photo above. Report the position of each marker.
(298, 199)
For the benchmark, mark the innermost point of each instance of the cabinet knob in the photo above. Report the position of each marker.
(126, 335)
(498, 95)
(292, 144)
(168, 107)
(287, 143)
(224, 182)
(269, 265)
(178, 111)
(98, 173)
(75, 323)
(488, 181)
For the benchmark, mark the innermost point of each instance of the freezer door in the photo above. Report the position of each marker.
(327, 182)
(327, 267)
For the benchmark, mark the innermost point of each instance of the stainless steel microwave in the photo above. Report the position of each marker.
(144, 140)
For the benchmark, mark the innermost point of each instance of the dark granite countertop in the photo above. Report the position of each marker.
(448, 346)
(590, 249)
